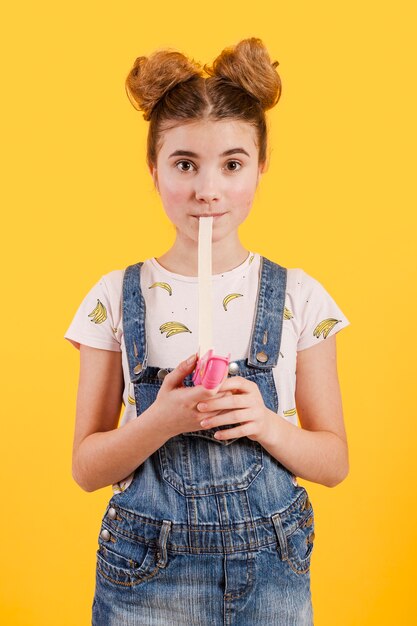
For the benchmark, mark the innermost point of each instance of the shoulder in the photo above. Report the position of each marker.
(298, 280)
(112, 283)
(305, 288)
(315, 313)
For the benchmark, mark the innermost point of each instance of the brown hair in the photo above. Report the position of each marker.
(171, 90)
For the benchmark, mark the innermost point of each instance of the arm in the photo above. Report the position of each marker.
(102, 453)
(317, 451)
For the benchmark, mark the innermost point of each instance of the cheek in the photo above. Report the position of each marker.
(244, 196)
(171, 189)
(174, 194)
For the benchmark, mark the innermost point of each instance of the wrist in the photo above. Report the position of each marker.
(271, 434)
(155, 420)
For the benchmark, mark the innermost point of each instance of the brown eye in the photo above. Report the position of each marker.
(188, 163)
(234, 169)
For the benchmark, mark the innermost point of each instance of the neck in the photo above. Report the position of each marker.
(182, 258)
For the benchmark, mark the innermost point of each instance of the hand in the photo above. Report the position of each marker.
(244, 405)
(176, 405)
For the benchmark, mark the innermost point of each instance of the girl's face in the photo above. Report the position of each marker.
(207, 168)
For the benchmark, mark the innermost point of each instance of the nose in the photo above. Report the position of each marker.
(207, 189)
(207, 197)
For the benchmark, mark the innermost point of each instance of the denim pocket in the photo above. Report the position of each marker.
(197, 467)
(126, 564)
(300, 541)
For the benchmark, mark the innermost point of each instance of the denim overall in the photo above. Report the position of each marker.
(208, 533)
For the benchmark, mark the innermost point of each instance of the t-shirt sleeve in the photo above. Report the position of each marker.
(319, 314)
(95, 322)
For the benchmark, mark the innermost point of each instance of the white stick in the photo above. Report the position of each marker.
(205, 318)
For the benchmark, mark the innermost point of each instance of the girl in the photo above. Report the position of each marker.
(207, 523)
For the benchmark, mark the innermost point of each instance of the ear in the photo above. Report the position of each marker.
(260, 172)
(262, 169)
(154, 174)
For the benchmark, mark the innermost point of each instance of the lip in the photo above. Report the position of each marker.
(210, 215)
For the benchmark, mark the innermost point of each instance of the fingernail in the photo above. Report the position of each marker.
(201, 406)
(191, 359)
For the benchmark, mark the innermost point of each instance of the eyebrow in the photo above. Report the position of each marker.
(196, 156)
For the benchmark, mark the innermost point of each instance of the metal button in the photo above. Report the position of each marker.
(262, 357)
(309, 522)
(162, 373)
(105, 534)
(138, 368)
(307, 504)
(111, 513)
(233, 368)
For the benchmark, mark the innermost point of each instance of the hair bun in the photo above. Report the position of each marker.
(152, 77)
(248, 66)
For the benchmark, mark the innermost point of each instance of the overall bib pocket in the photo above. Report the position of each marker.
(225, 468)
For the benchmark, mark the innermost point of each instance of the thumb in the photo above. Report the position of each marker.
(177, 375)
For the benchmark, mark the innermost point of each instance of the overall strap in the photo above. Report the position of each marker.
(267, 330)
(134, 322)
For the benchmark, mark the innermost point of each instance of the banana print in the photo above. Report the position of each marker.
(119, 487)
(173, 328)
(131, 394)
(290, 412)
(251, 259)
(231, 296)
(287, 314)
(164, 286)
(325, 327)
(99, 314)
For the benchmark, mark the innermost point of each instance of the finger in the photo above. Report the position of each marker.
(174, 378)
(237, 383)
(218, 395)
(222, 403)
(233, 433)
(198, 393)
(208, 416)
(226, 418)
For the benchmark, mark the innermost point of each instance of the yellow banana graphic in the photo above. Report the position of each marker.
(325, 327)
(251, 259)
(173, 328)
(131, 394)
(231, 296)
(164, 286)
(99, 314)
(119, 487)
(287, 313)
(290, 412)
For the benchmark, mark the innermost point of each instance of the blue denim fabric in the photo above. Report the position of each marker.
(208, 533)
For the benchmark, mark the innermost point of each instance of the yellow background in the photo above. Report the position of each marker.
(339, 201)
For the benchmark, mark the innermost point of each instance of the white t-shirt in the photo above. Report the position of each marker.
(310, 316)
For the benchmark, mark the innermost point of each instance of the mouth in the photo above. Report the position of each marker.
(209, 215)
